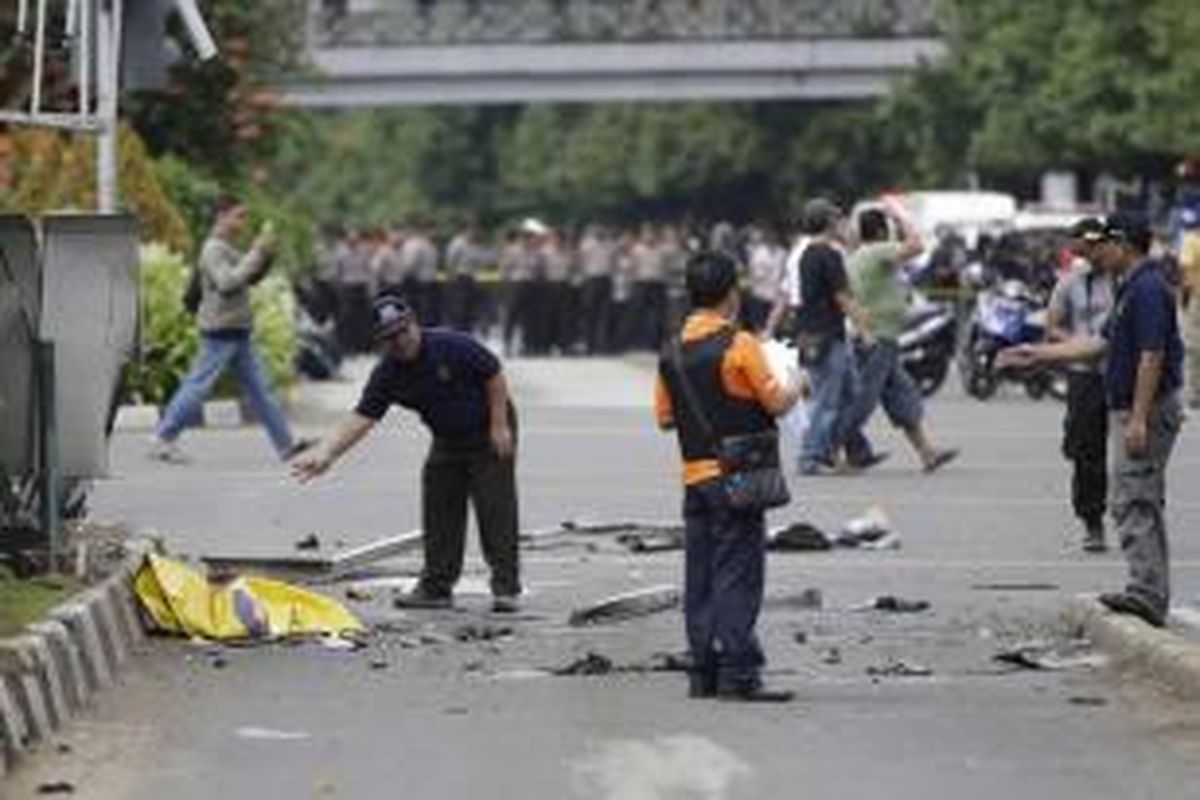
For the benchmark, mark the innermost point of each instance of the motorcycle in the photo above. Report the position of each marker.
(927, 345)
(1005, 316)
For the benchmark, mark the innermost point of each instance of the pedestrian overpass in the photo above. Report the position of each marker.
(367, 53)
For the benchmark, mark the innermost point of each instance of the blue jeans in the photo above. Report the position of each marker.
(835, 385)
(725, 568)
(884, 382)
(216, 353)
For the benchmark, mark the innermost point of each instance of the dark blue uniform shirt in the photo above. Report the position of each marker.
(446, 385)
(1143, 320)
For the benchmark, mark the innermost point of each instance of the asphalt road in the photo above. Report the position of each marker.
(420, 715)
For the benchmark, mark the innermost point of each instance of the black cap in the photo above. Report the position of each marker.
(1089, 229)
(389, 315)
(1130, 228)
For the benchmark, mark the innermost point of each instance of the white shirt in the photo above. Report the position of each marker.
(790, 285)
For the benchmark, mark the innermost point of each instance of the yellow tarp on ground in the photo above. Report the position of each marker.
(180, 600)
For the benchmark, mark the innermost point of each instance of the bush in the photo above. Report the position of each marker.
(170, 338)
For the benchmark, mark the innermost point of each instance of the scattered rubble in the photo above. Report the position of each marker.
(56, 787)
(1042, 655)
(798, 537)
(896, 668)
(310, 542)
(1087, 700)
(481, 633)
(871, 531)
(589, 664)
(810, 599)
(627, 606)
(832, 656)
(894, 605)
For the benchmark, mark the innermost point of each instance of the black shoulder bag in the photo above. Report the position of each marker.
(751, 475)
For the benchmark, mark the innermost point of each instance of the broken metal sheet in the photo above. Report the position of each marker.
(89, 295)
(601, 528)
(626, 606)
(338, 564)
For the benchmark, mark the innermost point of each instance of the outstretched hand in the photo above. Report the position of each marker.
(1020, 357)
(307, 466)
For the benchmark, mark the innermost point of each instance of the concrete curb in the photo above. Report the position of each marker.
(1162, 655)
(52, 670)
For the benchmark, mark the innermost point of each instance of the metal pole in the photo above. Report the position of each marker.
(51, 480)
(108, 45)
(39, 57)
(85, 58)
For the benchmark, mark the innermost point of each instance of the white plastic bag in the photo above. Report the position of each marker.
(784, 361)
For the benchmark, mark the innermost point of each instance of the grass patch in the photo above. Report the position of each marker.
(25, 601)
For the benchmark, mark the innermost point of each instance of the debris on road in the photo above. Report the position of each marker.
(601, 528)
(800, 637)
(589, 664)
(626, 606)
(342, 563)
(310, 542)
(662, 662)
(810, 599)
(871, 531)
(1032, 586)
(481, 633)
(270, 734)
(56, 787)
(798, 537)
(181, 601)
(1042, 655)
(358, 594)
(894, 605)
(653, 540)
(379, 662)
(1087, 700)
(832, 656)
(896, 668)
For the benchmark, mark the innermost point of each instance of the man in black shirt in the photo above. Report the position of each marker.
(458, 389)
(825, 303)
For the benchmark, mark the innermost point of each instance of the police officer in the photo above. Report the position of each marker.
(1079, 306)
(725, 549)
(1142, 377)
(458, 389)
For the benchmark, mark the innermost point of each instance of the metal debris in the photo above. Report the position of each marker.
(626, 606)
(310, 542)
(894, 605)
(1041, 655)
(899, 669)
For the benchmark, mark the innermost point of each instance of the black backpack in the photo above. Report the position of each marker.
(193, 292)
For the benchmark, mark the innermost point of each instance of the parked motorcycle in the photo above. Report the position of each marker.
(1004, 316)
(927, 345)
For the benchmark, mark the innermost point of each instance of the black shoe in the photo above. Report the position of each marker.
(1125, 603)
(755, 694)
(422, 598)
(940, 459)
(1093, 538)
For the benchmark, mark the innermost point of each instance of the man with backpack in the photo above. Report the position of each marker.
(219, 296)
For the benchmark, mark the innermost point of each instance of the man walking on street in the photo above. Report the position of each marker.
(1142, 377)
(458, 389)
(825, 303)
(1079, 307)
(225, 278)
(725, 371)
(876, 271)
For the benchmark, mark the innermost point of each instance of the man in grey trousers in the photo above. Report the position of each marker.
(1143, 373)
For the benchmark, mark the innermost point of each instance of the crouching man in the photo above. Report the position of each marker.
(715, 383)
(458, 389)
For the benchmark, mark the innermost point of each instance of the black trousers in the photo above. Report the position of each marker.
(453, 476)
(596, 302)
(1085, 444)
(461, 303)
(650, 301)
(725, 556)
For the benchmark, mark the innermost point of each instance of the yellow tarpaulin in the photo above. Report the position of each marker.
(180, 600)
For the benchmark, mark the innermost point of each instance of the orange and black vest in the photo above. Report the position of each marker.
(728, 416)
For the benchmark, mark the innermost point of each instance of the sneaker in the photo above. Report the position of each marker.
(1134, 606)
(505, 604)
(168, 452)
(815, 468)
(940, 459)
(755, 694)
(871, 460)
(423, 599)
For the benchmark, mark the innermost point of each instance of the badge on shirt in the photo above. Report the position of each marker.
(443, 373)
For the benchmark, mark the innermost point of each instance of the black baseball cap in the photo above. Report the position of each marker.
(390, 314)
(1088, 229)
(1130, 228)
